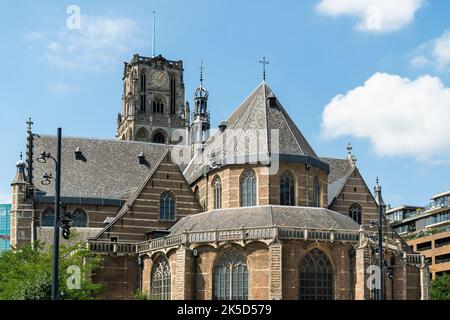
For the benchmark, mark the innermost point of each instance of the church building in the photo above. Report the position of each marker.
(246, 211)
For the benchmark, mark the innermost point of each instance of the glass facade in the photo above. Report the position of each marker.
(441, 202)
(439, 218)
(5, 217)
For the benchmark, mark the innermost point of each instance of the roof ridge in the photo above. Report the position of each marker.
(98, 139)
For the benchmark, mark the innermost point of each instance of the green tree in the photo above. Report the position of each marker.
(440, 288)
(26, 273)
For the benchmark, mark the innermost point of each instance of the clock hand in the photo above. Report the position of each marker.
(161, 76)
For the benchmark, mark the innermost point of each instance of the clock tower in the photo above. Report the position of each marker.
(153, 102)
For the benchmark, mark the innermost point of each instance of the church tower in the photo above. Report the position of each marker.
(200, 119)
(153, 102)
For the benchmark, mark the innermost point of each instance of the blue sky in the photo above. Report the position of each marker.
(388, 67)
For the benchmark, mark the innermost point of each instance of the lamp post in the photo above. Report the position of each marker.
(65, 221)
(43, 159)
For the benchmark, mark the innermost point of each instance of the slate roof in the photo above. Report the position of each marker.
(112, 170)
(265, 216)
(254, 114)
(340, 170)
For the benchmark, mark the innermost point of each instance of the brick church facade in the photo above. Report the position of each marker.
(179, 211)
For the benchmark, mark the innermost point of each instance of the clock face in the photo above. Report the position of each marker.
(159, 79)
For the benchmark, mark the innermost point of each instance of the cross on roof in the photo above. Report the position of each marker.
(349, 149)
(264, 62)
(29, 123)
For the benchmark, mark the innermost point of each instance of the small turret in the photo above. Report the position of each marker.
(20, 178)
(378, 197)
(200, 119)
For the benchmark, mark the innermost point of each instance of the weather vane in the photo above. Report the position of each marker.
(264, 62)
(201, 72)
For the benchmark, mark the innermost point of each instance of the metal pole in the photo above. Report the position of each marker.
(380, 248)
(56, 221)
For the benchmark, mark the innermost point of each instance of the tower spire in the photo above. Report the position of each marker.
(154, 35)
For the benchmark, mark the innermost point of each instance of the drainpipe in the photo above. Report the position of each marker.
(194, 286)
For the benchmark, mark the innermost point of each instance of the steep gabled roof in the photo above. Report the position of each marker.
(340, 171)
(133, 196)
(111, 169)
(259, 116)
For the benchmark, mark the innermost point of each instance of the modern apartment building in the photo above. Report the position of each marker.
(5, 216)
(427, 230)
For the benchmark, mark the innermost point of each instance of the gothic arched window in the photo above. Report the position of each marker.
(161, 279)
(158, 106)
(173, 95)
(230, 276)
(48, 218)
(355, 212)
(142, 135)
(159, 138)
(248, 189)
(316, 193)
(79, 218)
(316, 276)
(143, 89)
(217, 185)
(287, 190)
(167, 207)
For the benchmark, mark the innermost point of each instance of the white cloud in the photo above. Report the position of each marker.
(98, 44)
(398, 115)
(434, 53)
(373, 15)
(60, 88)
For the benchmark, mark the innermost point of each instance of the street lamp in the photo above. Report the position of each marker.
(65, 221)
(46, 181)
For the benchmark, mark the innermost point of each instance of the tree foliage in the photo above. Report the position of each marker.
(26, 273)
(440, 288)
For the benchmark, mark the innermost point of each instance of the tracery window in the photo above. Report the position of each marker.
(161, 279)
(158, 106)
(287, 190)
(217, 185)
(248, 189)
(167, 207)
(79, 218)
(355, 212)
(48, 218)
(316, 276)
(316, 193)
(231, 276)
